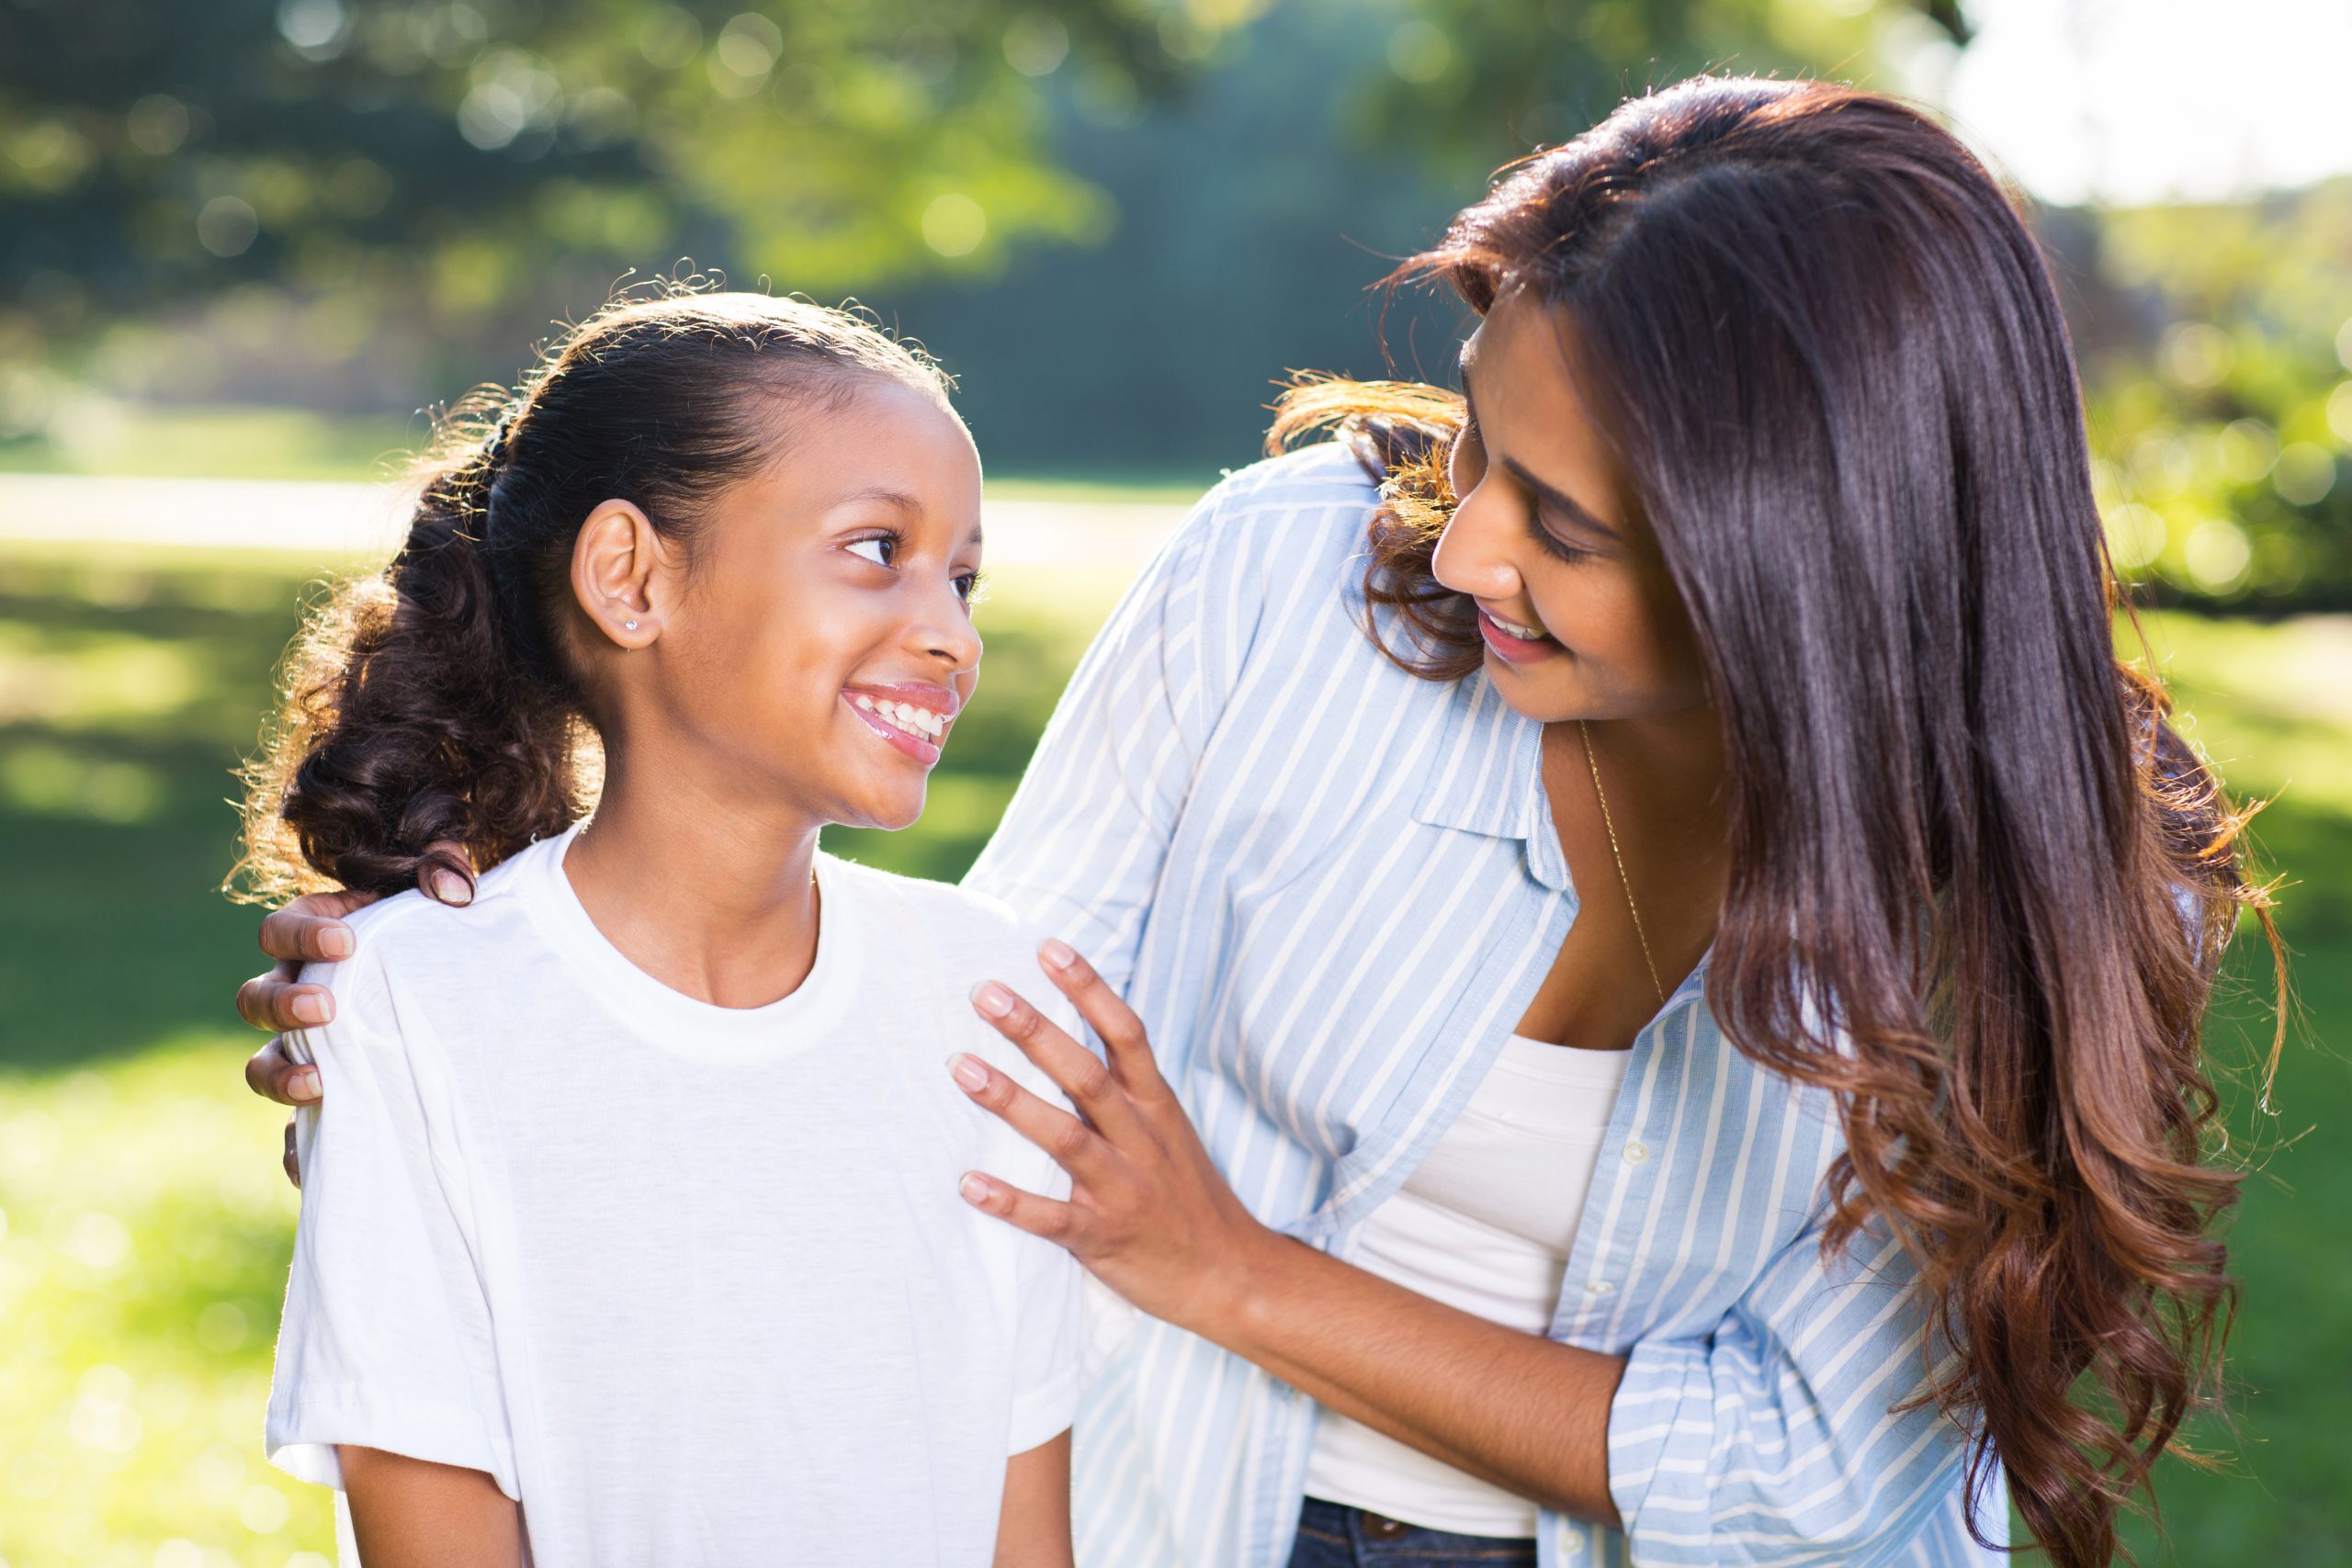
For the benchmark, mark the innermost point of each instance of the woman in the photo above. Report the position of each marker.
(1752, 717)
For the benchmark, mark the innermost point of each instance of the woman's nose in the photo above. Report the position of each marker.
(1469, 557)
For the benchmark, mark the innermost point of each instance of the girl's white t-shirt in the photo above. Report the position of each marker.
(693, 1284)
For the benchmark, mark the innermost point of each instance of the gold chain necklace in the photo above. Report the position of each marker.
(1619, 856)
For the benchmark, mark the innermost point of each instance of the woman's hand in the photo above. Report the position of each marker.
(1149, 1215)
(311, 929)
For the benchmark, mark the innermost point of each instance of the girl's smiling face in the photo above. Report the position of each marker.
(819, 646)
(1578, 613)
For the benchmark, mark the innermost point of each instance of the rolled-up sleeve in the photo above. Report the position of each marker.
(1776, 1438)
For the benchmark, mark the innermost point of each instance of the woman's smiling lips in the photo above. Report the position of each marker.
(1511, 642)
(910, 716)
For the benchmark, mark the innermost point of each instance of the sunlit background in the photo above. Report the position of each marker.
(242, 244)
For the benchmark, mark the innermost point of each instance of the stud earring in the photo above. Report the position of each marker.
(629, 626)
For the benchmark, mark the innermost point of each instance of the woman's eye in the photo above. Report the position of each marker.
(886, 549)
(1465, 459)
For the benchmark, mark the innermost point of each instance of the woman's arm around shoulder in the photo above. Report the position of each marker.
(411, 1512)
(1033, 1528)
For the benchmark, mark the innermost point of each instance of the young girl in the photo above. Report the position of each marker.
(632, 1233)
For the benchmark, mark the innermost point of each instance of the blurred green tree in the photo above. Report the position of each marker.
(450, 151)
(1472, 81)
(2216, 341)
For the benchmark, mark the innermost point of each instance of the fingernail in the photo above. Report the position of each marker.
(968, 1072)
(310, 1008)
(304, 1085)
(451, 888)
(991, 998)
(1056, 953)
(335, 942)
(975, 1189)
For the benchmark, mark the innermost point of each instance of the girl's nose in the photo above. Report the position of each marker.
(948, 635)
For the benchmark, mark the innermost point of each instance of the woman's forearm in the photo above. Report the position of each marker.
(410, 1513)
(1526, 1413)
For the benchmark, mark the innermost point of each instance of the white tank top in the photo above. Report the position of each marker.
(1485, 1224)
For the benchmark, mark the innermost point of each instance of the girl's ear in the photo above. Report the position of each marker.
(615, 562)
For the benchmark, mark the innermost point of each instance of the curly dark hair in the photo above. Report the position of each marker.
(1980, 886)
(436, 703)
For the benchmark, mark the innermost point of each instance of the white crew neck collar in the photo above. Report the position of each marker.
(669, 1019)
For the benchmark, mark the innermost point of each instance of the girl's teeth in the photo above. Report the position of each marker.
(905, 716)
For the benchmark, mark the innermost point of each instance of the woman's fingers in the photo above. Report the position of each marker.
(1024, 1211)
(274, 1074)
(1077, 1071)
(1075, 1146)
(311, 928)
(1107, 1012)
(440, 884)
(292, 1163)
(277, 1002)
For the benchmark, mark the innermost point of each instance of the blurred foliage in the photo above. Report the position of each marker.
(144, 1226)
(2217, 349)
(446, 156)
(1471, 82)
(1119, 222)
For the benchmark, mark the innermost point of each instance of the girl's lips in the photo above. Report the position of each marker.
(1514, 650)
(914, 746)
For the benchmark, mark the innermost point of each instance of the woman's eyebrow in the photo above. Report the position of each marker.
(1559, 501)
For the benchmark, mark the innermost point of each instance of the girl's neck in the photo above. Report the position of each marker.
(713, 896)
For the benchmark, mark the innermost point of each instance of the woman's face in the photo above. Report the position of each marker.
(822, 646)
(1580, 616)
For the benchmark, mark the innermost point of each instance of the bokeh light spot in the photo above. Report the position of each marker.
(227, 226)
(954, 224)
(1035, 44)
(2197, 353)
(263, 1510)
(1419, 51)
(2339, 413)
(2304, 474)
(2217, 554)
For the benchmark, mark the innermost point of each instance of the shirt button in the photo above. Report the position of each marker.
(1602, 1287)
(1636, 1152)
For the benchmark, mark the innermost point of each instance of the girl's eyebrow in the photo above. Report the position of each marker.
(897, 499)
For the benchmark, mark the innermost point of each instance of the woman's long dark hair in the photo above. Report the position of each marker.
(1979, 887)
(439, 701)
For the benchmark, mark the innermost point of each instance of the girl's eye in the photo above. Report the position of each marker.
(967, 586)
(885, 548)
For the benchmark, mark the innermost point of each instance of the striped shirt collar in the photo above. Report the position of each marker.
(1487, 777)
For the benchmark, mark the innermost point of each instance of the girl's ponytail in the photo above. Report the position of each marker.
(407, 722)
(440, 703)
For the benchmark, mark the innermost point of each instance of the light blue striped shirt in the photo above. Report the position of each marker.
(1331, 889)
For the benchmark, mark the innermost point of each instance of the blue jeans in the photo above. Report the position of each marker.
(1331, 1535)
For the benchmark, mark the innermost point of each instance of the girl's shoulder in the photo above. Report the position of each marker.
(960, 927)
(407, 940)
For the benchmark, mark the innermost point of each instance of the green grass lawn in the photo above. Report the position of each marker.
(144, 1226)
